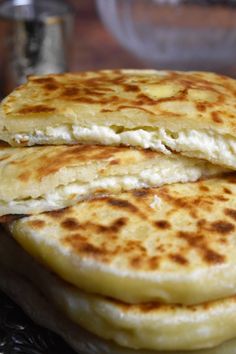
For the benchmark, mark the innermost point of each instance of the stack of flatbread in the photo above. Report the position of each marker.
(118, 209)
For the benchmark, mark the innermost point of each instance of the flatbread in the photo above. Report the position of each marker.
(83, 342)
(43, 178)
(162, 244)
(151, 325)
(189, 112)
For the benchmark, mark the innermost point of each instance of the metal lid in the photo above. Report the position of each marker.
(33, 10)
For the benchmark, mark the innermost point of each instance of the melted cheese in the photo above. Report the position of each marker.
(201, 144)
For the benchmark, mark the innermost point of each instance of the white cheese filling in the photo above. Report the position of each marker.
(201, 144)
(69, 194)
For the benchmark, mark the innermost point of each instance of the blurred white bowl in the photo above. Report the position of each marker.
(175, 34)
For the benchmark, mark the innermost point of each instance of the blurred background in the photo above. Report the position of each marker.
(44, 36)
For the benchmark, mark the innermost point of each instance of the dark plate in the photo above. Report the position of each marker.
(19, 335)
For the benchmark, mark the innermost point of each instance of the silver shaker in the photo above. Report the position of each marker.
(38, 38)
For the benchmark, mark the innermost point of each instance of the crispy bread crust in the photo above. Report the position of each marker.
(126, 98)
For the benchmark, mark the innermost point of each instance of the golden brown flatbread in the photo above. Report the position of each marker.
(147, 328)
(162, 244)
(190, 112)
(43, 178)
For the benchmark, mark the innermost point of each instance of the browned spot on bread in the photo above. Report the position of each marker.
(160, 248)
(66, 155)
(122, 204)
(221, 198)
(227, 191)
(213, 257)
(136, 262)
(81, 244)
(203, 188)
(114, 162)
(70, 91)
(37, 224)
(57, 214)
(51, 87)
(222, 227)
(131, 88)
(134, 246)
(153, 262)
(140, 193)
(118, 224)
(218, 227)
(127, 206)
(216, 118)
(201, 223)
(201, 107)
(162, 224)
(104, 153)
(230, 212)
(149, 306)
(115, 226)
(194, 204)
(198, 242)
(149, 153)
(106, 110)
(70, 224)
(91, 250)
(178, 258)
(106, 248)
(146, 100)
(124, 107)
(25, 176)
(75, 239)
(43, 80)
(39, 108)
(223, 240)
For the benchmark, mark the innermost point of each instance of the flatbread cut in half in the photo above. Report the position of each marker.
(122, 328)
(162, 244)
(43, 178)
(190, 112)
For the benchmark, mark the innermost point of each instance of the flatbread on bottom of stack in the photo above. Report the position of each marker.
(83, 342)
(37, 304)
